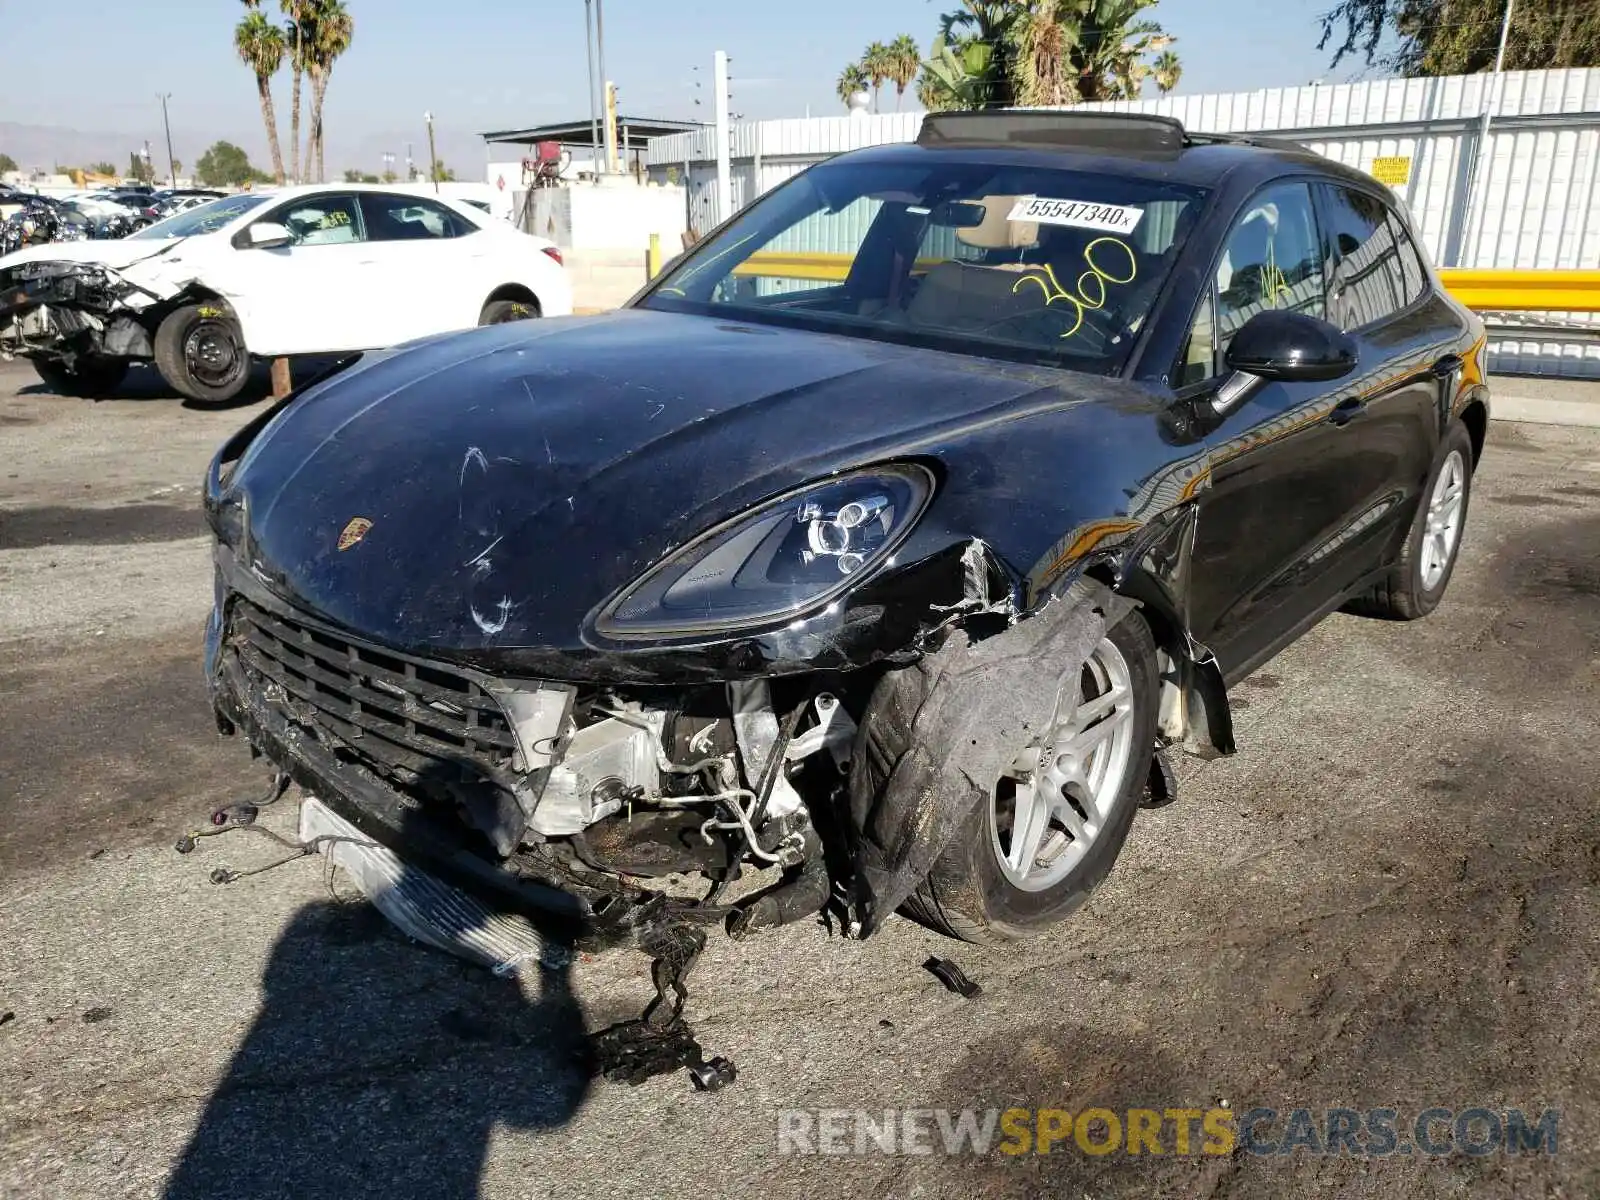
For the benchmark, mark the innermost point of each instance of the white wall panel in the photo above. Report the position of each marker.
(1534, 191)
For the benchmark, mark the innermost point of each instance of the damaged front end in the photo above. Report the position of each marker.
(592, 805)
(70, 310)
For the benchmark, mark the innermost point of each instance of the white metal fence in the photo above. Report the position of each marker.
(1531, 199)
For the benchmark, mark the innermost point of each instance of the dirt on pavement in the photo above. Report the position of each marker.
(1389, 897)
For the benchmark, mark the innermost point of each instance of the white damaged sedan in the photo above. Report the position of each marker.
(306, 270)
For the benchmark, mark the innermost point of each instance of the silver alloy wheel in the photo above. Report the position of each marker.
(1443, 530)
(1058, 796)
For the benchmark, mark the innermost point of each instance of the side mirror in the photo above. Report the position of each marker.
(265, 235)
(1290, 347)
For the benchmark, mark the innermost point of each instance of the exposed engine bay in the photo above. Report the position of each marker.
(64, 310)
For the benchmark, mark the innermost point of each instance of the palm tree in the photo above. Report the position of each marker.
(297, 39)
(877, 63)
(1166, 71)
(333, 31)
(1044, 39)
(852, 80)
(905, 60)
(260, 44)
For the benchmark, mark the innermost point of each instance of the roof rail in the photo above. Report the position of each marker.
(1140, 135)
(1241, 139)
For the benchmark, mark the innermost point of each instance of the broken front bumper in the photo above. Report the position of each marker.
(299, 714)
(45, 307)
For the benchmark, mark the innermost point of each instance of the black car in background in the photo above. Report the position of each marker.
(888, 539)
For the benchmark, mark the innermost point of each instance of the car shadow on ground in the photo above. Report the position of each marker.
(377, 1068)
(144, 383)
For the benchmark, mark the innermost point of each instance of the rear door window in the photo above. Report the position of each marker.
(1413, 275)
(392, 218)
(1368, 283)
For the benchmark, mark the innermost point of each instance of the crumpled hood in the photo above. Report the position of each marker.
(506, 481)
(117, 253)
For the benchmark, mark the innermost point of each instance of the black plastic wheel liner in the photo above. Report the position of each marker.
(986, 702)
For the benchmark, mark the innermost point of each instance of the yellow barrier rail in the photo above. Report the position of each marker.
(1484, 290)
(1525, 291)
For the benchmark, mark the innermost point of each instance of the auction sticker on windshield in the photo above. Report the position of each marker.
(1113, 218)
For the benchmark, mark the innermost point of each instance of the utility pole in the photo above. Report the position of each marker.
(1478, 193)
(605, 80)
(388, 163)
(594, 111)
(433, 157)
(172, 163)
(411, 169)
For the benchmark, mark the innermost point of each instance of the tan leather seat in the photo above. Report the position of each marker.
(975, 297)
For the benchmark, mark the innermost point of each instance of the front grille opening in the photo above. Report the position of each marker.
(425, 725)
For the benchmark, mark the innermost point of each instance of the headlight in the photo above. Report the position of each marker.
(792, 553)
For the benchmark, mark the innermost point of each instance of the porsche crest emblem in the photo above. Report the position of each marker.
(353, 532)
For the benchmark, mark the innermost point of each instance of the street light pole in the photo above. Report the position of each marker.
(605, 80)
(172, 163)
(594, 112)
(1478, 176)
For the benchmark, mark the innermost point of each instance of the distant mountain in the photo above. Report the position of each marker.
(47, 146)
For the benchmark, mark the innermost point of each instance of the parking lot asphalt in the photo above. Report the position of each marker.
(1389, 897)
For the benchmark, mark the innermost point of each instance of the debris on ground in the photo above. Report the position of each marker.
(662, 1041)
(952, 976)
(96, 1014)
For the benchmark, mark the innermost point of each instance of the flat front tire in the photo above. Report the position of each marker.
(200, 352)
(1054, 823)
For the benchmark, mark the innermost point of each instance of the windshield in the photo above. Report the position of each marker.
(1012, 261)
(203, 218)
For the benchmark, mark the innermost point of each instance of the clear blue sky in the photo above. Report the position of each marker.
(481, 64)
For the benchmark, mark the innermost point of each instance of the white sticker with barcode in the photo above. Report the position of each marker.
(1082, 214)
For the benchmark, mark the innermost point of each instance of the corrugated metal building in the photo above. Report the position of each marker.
(1532, 200)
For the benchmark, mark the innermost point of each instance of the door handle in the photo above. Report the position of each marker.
(1347, 410)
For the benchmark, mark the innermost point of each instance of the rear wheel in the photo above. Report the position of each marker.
(88, 376)
(1428, 558)
(200, 352)
(503, 312)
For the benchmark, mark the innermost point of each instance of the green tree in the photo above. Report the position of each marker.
(1041, 52)
(332, 31)
(852, 80)
(905, 60)
(389, 177)
(140, 168)
(259, 43)
(355, 176)
(442, 173)
(225, 165)
(103, 168)
(7, 164)
(1462, 37)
